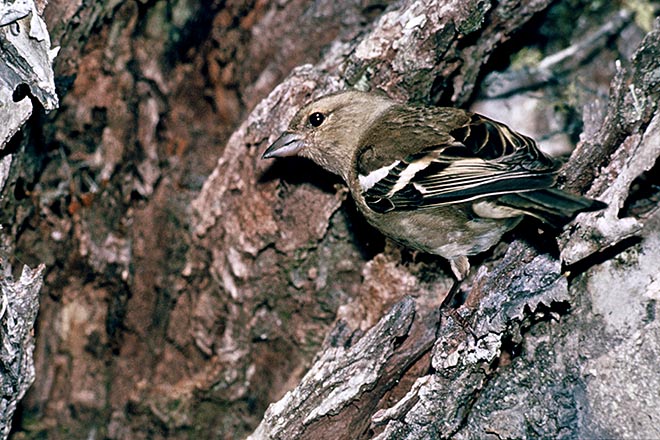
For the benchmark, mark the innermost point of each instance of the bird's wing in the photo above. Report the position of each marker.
(474, 159)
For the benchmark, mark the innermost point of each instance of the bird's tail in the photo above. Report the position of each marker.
(552, 206)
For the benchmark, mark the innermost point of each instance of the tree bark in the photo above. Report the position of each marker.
(25, 70)
(192, 289)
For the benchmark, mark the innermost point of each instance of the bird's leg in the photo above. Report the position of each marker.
(449, 299)
(460, 266)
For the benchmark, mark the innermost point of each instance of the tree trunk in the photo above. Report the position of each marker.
(25, 70)
(193, 290)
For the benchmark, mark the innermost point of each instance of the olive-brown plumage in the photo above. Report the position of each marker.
(436, 179)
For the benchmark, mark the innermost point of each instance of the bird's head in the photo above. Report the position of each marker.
(329, 129)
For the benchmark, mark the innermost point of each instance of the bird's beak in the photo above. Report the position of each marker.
(289, 144)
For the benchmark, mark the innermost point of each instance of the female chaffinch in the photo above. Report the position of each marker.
(436, 179)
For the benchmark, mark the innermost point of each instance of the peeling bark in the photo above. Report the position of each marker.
(20, 303)
(25, 70)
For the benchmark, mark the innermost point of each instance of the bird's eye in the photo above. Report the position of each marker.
(316, 119)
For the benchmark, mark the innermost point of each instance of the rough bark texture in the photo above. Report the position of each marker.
(189, 285)
(25, 69)
(20, 303)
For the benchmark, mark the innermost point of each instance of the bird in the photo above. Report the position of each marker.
(440, 180)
